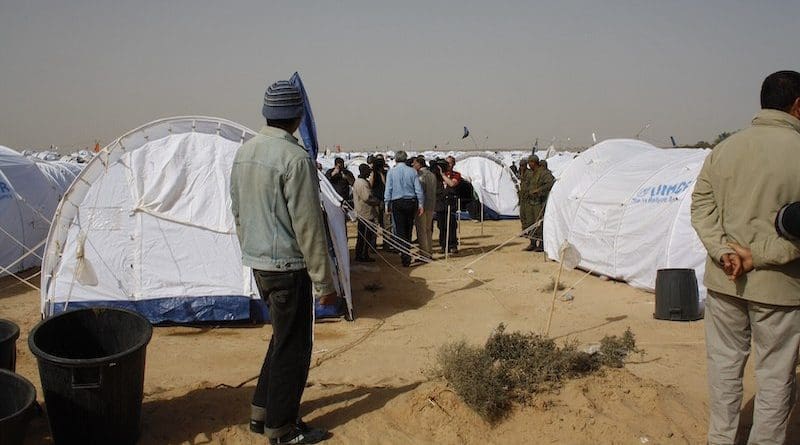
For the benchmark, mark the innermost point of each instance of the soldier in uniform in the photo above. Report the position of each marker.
(525, 211)
(534, 190)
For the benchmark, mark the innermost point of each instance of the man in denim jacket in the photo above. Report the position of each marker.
(276, 207)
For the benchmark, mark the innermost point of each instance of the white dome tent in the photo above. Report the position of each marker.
(625, 206)
(147, 226)
(27, 202)
(494, 183)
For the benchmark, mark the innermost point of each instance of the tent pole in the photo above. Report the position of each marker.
(447, 234)
(555, 291)
(481, 203)
(458, 220)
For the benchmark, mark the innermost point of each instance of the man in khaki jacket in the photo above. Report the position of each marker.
(755, 293)
(424, 223)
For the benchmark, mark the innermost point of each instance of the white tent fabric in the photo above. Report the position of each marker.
(494, 183)
(27, 202)
(60, 174)
(148, 226)
(625, 205)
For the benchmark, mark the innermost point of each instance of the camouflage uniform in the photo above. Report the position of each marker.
(534, 190)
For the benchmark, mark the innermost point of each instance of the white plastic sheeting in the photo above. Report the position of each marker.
(27, 202)
(625, 205)
(148, 226)
(494, 183)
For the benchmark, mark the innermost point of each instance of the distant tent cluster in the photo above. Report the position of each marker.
(146, 224)
(30, 189)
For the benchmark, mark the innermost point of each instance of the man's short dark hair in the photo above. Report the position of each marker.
(780, 90)
(338, 160)
(282, 123)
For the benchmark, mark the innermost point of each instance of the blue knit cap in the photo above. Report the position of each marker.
(282, 101)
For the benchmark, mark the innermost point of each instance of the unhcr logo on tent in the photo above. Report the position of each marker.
(661, 193)
(5, 191)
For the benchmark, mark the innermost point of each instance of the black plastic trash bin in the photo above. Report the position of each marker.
(9, 333)
(17, 396)
(91, 364)
(677, 296)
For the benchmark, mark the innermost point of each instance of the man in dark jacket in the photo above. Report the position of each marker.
(341, 179)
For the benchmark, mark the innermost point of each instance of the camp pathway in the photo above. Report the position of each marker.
(371, 379)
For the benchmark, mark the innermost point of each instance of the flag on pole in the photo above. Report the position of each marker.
(308, 129)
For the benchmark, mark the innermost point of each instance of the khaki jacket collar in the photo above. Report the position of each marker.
(777, 118)
(274, 132)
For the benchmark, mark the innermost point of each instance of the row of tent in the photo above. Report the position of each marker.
(30, 190)
(146, 224)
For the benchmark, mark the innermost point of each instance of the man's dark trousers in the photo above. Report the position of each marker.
(403, 212)
(285, 370)
(366, 240)
(442, 218)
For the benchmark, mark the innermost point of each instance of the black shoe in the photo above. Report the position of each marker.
(257, 426)
(300, 435)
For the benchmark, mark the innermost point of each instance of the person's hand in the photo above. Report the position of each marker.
(328, 299)
(336, 170)
(420, 211)
(745, 256)
(731, 265)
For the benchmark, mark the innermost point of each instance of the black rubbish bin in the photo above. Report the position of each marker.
(677, 295)
(91, 364)
(17, 396)
(9, 333)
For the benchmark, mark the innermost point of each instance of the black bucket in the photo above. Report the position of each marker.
(677, 296)
(91, 363)
(17, 396)
(9, 333)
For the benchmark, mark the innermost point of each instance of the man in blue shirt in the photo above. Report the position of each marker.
(404, 199)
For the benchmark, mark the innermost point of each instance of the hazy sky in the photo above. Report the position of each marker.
(388, 73)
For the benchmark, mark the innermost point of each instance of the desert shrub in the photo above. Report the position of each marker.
(480, 385)
(511, 367)
(614, 350)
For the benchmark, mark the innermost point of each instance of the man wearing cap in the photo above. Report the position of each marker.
(754, 297)
(534, 190)
(404, 198)
(275, 202)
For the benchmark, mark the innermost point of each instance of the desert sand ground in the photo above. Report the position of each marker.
(370, 381)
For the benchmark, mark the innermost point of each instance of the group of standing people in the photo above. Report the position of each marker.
(409, 197)
(535, 182)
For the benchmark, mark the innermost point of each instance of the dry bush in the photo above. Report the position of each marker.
(512, 367)
(614, 350)
(474, 378)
